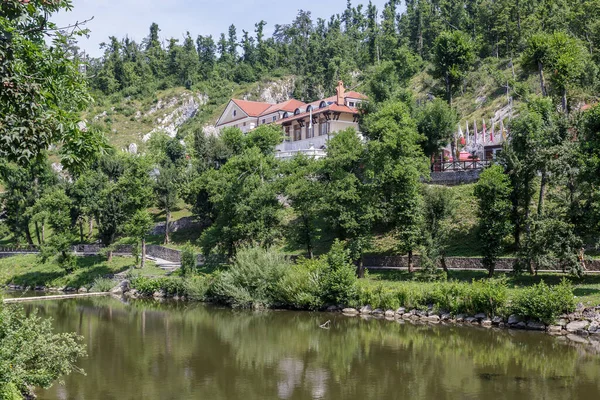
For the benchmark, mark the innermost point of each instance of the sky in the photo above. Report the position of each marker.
(132, 18)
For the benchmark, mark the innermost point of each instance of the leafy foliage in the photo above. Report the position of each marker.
(543, 302)
(31, 354)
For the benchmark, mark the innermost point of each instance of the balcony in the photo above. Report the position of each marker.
(312, 147)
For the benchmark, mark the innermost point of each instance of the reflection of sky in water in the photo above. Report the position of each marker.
(292, 375)
(187, 351)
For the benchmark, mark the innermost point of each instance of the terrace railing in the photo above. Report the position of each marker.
(448, 166)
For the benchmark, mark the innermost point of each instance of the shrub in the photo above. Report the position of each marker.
(252, 278)
(544, 303)
(488, 296)
(171, 286)
(339, 278)
(188, 260)
(300, 286)
(197, 287)
(103, 285)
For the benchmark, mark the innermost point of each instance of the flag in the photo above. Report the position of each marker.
(483, 132)
(503, 130)
(475, 128)
(461, 136)
(493, 130)
(468, 139)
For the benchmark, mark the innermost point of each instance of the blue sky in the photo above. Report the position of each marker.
(175, 17)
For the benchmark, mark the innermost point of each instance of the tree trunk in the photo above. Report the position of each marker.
(109, 256)
(448, 91)
(90, 227)
(528, 231)
(360, 271)
(37, 233)
(491, 270)
(143, 252)
(543, 187)
(28, 236)
(443, 262)
(167, 223)
(542, 81)
(81, 230)
(564, 100)
(43, 232)
(411, 266)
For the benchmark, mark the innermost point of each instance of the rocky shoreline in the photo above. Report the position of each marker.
(581, 326)
(578, 326)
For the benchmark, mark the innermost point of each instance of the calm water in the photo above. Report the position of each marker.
(178, 351)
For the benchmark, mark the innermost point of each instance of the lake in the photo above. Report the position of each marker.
(148, 350)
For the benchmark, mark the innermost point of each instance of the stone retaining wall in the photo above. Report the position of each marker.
(459, 263)
(454, 178)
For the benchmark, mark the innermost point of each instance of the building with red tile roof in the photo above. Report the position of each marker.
(307, 127)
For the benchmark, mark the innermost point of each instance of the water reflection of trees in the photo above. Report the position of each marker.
(190, 351)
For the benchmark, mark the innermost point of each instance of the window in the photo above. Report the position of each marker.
(324, 130)
(297, 133)
(244, 124)
(264, 121)
(234, 113)
(310, 131)
(352, 104)
(274, 118)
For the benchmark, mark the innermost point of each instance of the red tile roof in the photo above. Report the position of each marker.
(252, 108)
(289, 106)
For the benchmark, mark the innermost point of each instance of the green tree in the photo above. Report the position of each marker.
(397, 164)
(43, 92)
(439, 212)
(139, 227)
(349, 208)
(243, 195)
(31, 354)
(436, 121)
(304, 190)
(453, 57)
(493, 193)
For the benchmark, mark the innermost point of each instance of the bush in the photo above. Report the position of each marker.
(171, 286)
(339, 278)
(197, 287)
(544, 303)
(488, 296)
(188, 260)
(103, 285)
(251, 280)
(300, 287)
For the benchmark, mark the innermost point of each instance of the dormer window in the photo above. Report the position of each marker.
(285, 115)
(352, 104)
(309, 108)
(323, 104)
(297, 111)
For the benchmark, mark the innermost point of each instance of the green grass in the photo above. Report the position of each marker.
(587, 289)
(27, 270)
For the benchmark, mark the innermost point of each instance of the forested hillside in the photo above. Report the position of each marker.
(481, 54)
(425, 65)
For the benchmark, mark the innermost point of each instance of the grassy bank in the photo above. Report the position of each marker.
(29, 271)
(266, 279)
